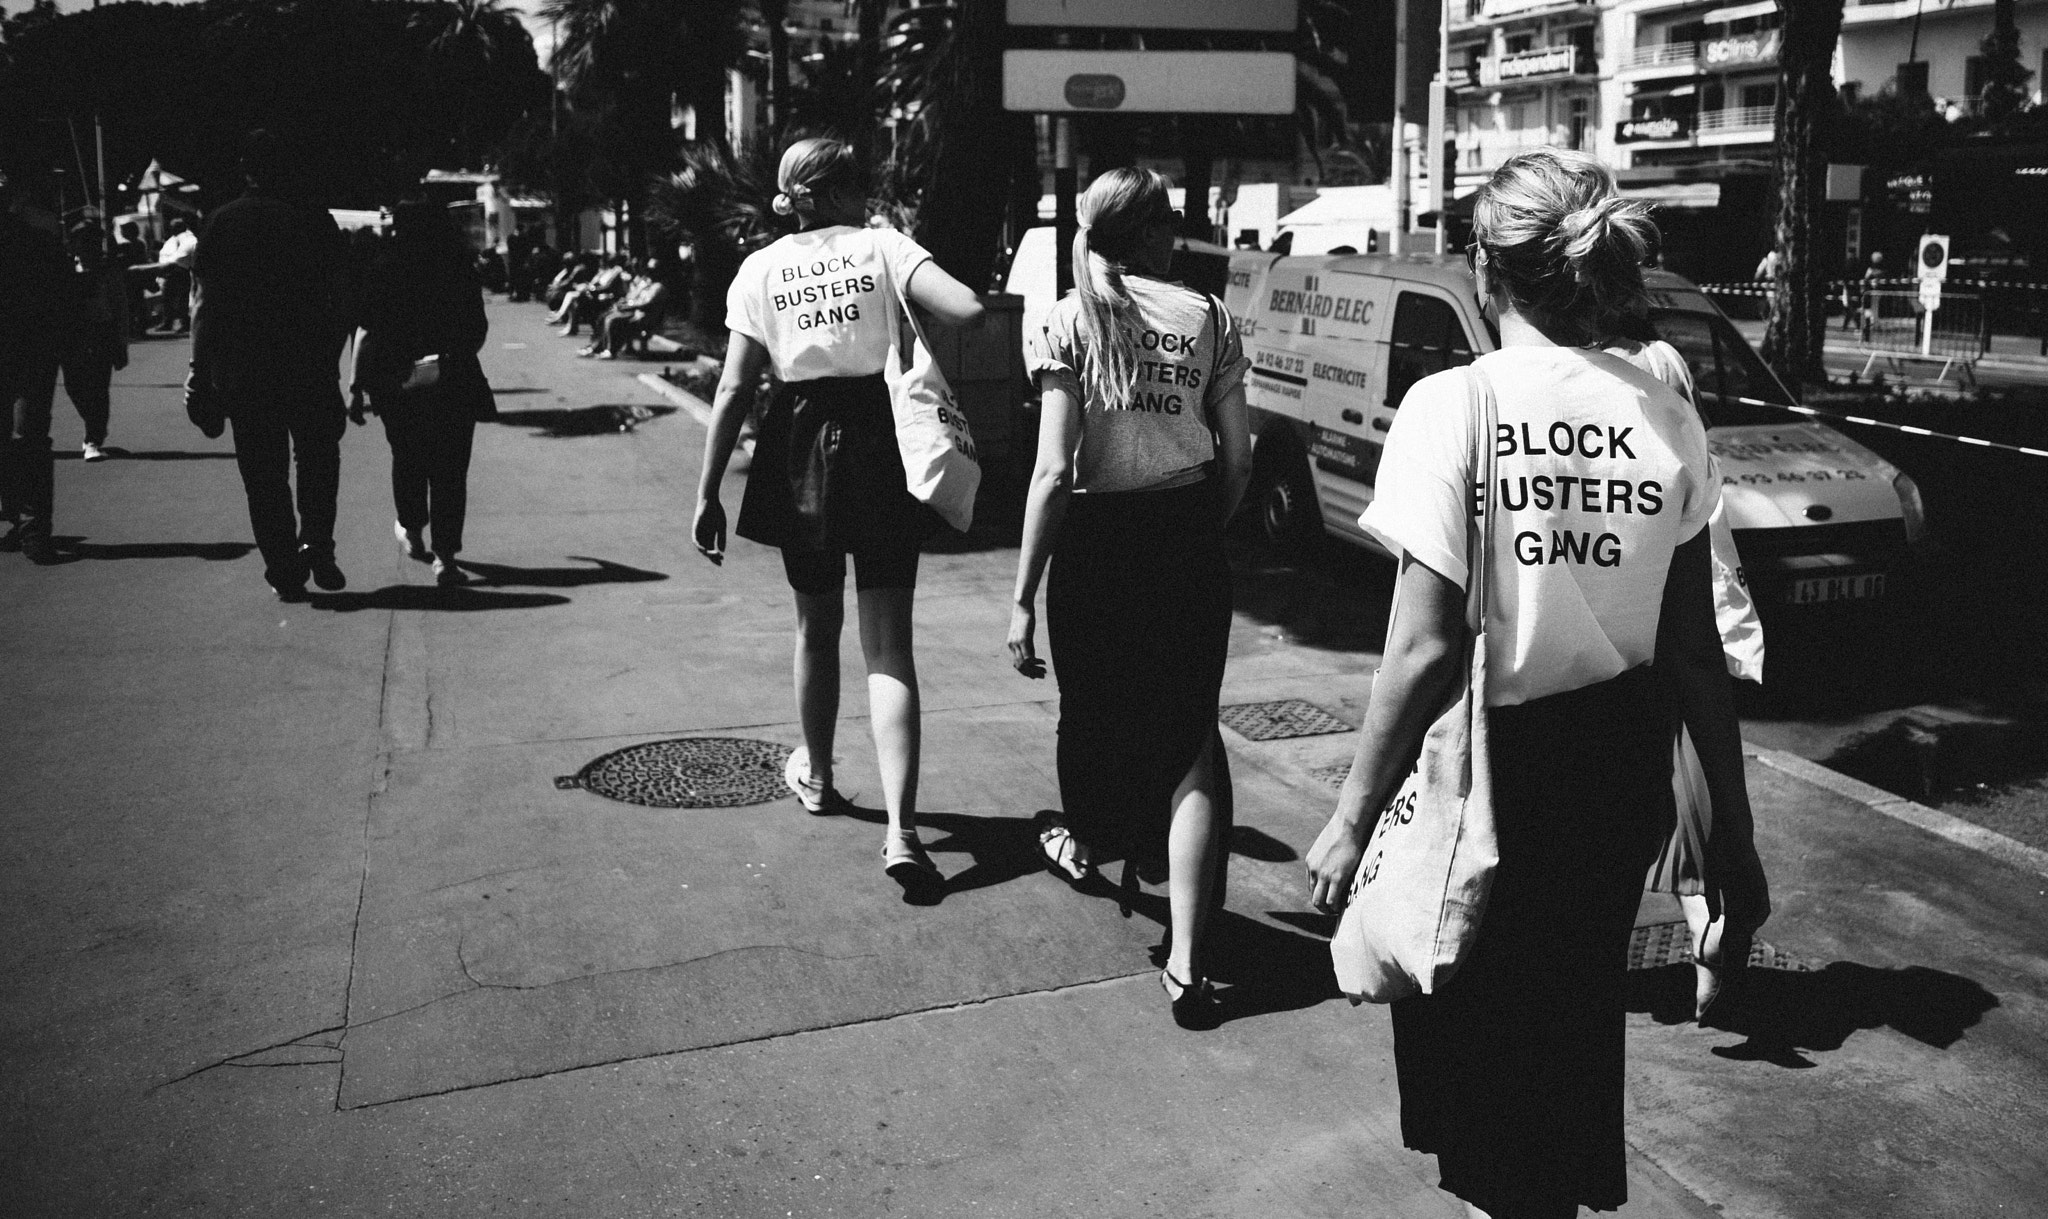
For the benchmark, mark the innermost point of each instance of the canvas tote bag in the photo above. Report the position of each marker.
(1420, 891)
(939, 462)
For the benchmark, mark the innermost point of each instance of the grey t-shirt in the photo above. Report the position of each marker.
(1188, 357)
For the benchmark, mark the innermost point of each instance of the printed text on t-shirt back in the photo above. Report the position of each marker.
(1163, 372)
(805, 295)
(1579, 490)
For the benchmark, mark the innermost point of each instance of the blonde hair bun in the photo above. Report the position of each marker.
(808, 167)
(1562, 240)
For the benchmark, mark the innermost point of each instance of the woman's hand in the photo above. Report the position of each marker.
(1023, 656)
(1332, 863)
(1745, 891)
(709, 530)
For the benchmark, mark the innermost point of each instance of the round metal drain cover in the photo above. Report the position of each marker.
(689, 772)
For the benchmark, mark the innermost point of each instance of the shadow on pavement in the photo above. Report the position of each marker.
(213, 552)
(501, 391)
(601, 571)
(1785, 1014)
(461, 599)
(563, 422)
(1324, 594)
(155, 455)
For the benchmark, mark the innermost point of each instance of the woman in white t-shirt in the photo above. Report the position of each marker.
(1511, 1073)
(827, 480)
(1143, 452)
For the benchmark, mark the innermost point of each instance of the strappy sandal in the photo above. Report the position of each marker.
(1194, 1001)
(905, 862)
(1062, 851)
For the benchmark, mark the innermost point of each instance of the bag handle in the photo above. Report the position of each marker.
(1486, 417)
(1215, 362)
(1485, 411)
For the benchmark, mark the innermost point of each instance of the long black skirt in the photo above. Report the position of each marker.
(827, 475)
(1512, 1073)
(1138, 621)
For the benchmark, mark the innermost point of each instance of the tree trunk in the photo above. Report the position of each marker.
(959, 218)
(867, 70)
(1806, 104)
(775, 13)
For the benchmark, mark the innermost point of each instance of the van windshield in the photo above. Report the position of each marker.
(1724, 368)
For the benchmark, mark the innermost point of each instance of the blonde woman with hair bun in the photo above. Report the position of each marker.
(1601, 636)
(1144, 448)
(826, 481)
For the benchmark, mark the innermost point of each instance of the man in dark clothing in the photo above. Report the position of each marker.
(35, 287)
(130, 256)
(269, 316)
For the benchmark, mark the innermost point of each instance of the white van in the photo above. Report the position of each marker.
(1336, 341)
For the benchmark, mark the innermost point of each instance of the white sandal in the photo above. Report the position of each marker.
(1065, 856)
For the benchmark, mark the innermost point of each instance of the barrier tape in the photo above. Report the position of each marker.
(1907, 428)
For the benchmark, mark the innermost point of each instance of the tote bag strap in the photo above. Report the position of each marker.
(1478, 531)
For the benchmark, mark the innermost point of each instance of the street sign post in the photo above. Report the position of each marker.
(1148, 82)
(1933, 267)
(1252, 16)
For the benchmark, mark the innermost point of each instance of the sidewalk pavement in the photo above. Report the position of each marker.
(300, 920)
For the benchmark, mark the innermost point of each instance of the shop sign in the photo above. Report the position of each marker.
(1911, 193)
(1741, 50)
(1501, 8)
(1530, 65)
(1663, 127)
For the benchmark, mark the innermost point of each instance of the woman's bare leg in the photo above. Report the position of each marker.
(818, 621)
(1201, 804)
(893, 705)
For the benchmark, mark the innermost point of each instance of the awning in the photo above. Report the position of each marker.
(1676, 194)
(1740, 12)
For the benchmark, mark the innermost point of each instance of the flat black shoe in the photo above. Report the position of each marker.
(289, 592)
(1194, 1002)
(325, 573)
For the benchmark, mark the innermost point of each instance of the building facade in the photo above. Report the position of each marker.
(1523, 74)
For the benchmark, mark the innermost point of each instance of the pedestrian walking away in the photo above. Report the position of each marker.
(416, 363)
(270, 296)
(1601, 636)
(175, 262)
(35, 284)
(95, 335)
(1144, 449)
(827, 479)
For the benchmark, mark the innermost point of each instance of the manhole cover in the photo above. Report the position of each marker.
(1280, 719)
(688, 772)
(1661, 944)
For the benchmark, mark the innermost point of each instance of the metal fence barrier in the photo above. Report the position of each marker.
(2014, 308)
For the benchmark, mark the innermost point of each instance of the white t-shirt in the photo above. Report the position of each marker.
(818, 300)
(1188, 357)
(1604, 471)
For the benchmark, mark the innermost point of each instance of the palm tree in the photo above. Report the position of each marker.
(1807, 105)
(633, 62)
(468, 43)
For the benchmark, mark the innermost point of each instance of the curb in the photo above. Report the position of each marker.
(699, 409)
(1876, 799)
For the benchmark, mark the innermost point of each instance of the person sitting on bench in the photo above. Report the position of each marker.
(635, 317)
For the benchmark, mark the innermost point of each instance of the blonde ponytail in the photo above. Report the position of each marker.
(1113, 211)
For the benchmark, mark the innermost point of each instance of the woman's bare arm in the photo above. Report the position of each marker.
(1045, 508)
(1233, 447)
(744, 359)
(942, 296)
(1417, 677)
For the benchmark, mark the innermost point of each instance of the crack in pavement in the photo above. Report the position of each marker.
(462, 963)
(304, 1040)
(935, 1009)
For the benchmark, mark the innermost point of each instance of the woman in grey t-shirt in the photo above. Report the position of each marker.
(1143, 453)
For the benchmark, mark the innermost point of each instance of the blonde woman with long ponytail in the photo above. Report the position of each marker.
(826, 481)
(1144, 448)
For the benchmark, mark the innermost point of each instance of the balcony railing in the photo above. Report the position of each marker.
(1663, 55)
(1738, 118)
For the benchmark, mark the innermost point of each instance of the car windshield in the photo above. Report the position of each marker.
(1724, 368)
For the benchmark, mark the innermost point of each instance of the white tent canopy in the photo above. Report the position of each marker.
(1341, 216)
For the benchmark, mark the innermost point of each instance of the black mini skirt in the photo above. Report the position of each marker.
(827, 475)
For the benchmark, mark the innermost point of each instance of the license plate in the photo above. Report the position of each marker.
(1820, 589)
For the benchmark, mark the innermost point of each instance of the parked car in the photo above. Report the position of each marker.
(1336, 342)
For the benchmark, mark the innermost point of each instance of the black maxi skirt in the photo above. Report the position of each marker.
(827, 475)
(1138, 622)
(1511, 1075)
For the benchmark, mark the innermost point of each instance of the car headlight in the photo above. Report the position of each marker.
(1911, 508)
